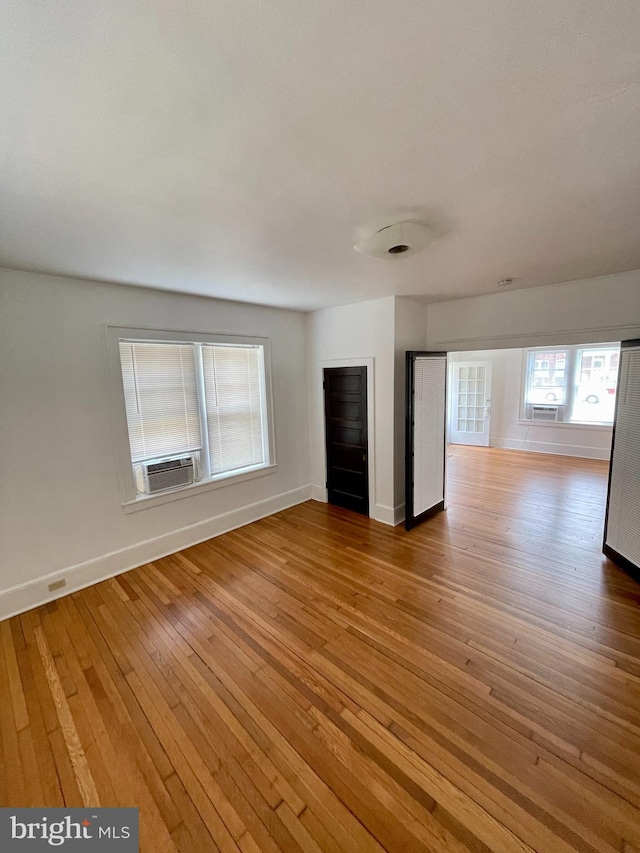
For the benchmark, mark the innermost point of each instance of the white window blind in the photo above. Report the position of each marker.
(161, 398)
(235, 417)
(429, 432)
(623, 514)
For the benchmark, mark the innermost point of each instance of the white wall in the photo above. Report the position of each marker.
(61, 511)
(360, 334)
(588, 311)
(593, 442)
(376, 333)
(61, 507)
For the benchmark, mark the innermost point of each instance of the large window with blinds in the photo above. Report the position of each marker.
(161, 396)
(196, 406)
(572, 384)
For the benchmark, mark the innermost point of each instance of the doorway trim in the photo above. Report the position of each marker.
(368, 362)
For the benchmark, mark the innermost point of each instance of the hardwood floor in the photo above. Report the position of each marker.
(320, 682)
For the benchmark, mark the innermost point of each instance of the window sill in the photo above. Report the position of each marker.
(565, 424)
(148, 501)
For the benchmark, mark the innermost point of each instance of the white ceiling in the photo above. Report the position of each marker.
(238, 149)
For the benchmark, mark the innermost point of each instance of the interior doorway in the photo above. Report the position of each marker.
(561, 405)
(550, 399)
(501, 399)
(556, 403)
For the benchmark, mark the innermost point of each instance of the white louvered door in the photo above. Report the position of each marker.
(622, 531)
(425, 438)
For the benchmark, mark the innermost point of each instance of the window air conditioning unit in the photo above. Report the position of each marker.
(167, 474)
(544, 413)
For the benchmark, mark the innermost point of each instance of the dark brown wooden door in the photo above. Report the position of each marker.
(345, 407)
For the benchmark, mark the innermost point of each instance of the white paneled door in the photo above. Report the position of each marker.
(470, 402)
(425, 437)
(622, 525)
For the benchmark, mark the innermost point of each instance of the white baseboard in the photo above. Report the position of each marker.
(551, 447)
(318, 493)
(379, 512)
(388, 514)
(25, 596)
(398, 514)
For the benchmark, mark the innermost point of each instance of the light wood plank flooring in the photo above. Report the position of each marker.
(320, 682)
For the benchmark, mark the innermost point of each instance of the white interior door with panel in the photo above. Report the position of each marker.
(470, 409)
(426, 417)
(622, 522)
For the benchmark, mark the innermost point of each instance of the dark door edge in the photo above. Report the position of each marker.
(623, 562)
(409, 523)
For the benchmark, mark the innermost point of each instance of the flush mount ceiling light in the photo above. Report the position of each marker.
(395, 241)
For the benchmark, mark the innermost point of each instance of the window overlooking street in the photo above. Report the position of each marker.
(596, 381)
(548, 377)
(573, 384)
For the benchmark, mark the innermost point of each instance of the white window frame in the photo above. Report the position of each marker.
(527, 380)
(570, 386)
(130, 498)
